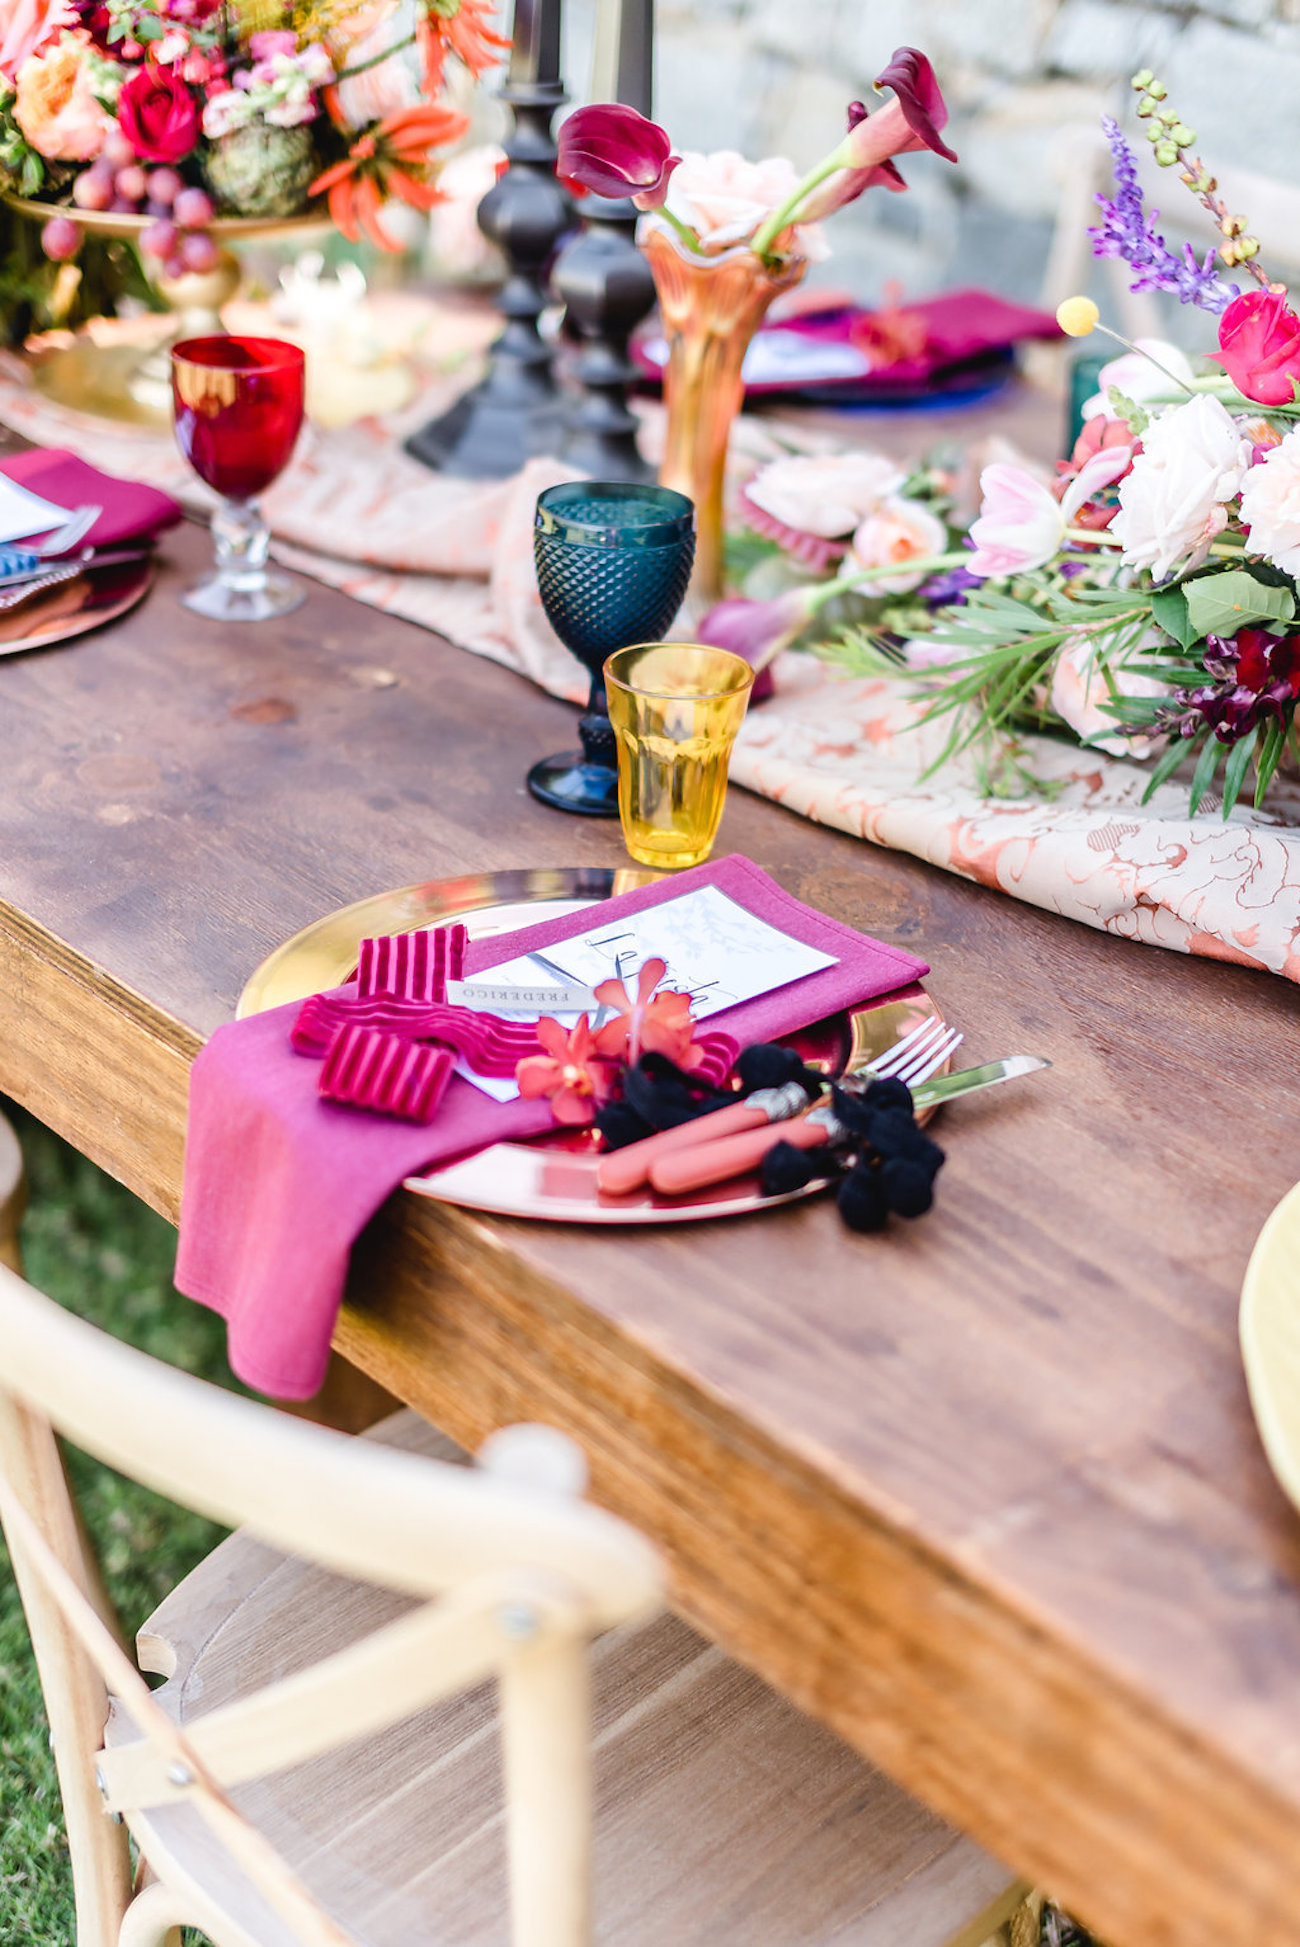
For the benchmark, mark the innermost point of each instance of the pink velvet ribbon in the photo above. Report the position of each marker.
(412, 966)
(391, 1047)
(721, 1053)
(386, 1073)
(489, 1044)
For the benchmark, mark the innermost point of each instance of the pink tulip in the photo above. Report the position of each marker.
(758, 631)
(1022, 524)
(613, 151)
(913, 120)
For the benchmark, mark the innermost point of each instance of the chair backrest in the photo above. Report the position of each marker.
(515, 1577)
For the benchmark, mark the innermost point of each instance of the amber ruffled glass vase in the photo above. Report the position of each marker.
(710, 308)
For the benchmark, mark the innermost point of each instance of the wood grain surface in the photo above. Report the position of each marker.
(984, 1494)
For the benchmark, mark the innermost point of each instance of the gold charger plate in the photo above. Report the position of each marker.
(127, 223)
(1269, 1325)
(88, 601)
(552, 1177)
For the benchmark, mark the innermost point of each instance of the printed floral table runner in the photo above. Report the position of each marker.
(456, 557)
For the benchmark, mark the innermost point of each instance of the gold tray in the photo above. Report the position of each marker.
(552, 1177)
(126, 224)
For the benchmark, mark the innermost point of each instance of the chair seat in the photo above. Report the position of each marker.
(724, 1817)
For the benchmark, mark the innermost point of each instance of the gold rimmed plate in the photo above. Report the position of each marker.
(88, 601)
(552, 1177)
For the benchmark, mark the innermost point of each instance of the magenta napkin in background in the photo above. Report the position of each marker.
(961, 328)
(279, 1184)
(132, 511)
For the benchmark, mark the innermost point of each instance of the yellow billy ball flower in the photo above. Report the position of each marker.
(1077, 316)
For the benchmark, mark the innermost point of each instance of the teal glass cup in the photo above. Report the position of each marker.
(613, 560)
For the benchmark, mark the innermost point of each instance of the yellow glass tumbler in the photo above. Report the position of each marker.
(675, 708)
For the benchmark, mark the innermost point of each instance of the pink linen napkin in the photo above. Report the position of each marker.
(279, 1183)
(132, 511)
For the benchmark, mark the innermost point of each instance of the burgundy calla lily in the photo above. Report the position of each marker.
(913, 120)
(919, 99)
(614, 151)
(758, 631)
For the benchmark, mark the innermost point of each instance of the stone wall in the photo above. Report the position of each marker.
(1022, 78)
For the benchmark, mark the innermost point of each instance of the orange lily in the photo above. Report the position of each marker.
(388, 160)
(460, 26)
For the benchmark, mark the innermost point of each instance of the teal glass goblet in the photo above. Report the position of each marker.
(613, 560)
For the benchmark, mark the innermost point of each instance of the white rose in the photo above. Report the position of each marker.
(1175, 500)
(1138, 375)
(900, 530)
(1270, 505)
(825, 493)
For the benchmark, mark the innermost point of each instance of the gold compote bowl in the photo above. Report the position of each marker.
(132, 380)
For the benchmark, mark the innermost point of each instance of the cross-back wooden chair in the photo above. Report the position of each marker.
(400, 1698)
(13, 1196)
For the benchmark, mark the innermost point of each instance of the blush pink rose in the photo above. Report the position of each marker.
(28, 26)
(55, 107)
(1270, 505)
(725, 199)
(1080, 692)
(899, 531)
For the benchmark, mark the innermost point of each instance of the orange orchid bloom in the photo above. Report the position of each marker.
(652, 1023)
(460, 26)
(388, 160)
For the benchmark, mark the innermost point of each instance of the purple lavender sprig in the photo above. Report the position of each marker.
(1127, 231)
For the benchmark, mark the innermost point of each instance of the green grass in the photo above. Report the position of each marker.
(103, 1254)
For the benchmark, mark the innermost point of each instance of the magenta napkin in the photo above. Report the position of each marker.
(279, 1184)
(961, 329)
(132, 511)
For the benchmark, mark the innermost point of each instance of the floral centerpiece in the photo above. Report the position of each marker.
(182, 111)
(725, 238)
(1147, 599)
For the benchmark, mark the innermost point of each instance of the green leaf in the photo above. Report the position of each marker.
(1269, 756)
(1207, 765)
(1234, 773)
(1168, 763)
(1222, 604)
(1169, 608)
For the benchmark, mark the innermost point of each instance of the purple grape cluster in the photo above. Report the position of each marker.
(176, 240)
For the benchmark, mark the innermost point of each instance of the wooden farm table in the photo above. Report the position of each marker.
(984, 1493)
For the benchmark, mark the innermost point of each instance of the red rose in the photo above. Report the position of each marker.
(1259, 347)
(158, 115)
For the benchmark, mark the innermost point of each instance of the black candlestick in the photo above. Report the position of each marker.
(515, 411)
(607, 289)
(601, 275)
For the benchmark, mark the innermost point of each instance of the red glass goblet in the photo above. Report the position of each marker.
(238, 407)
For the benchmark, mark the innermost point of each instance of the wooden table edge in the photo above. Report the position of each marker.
(1148, 1798)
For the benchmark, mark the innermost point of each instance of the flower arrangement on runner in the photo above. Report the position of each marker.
(186, 110)
(1146, 599)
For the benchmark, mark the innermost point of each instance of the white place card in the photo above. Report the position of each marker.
(23, 513)
(715, 950)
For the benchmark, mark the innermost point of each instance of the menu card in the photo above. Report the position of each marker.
(715, 951)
